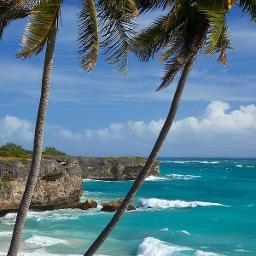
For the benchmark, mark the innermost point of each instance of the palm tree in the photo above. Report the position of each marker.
(40, 31)
(189, 26)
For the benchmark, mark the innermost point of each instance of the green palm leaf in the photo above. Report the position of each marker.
(215, 12)
(117, 29)
(249, 6)
(11, 10)
(43, 19)
(149, 5)
(88, 35)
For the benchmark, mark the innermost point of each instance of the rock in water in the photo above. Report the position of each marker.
(88, 204)
(112, 206)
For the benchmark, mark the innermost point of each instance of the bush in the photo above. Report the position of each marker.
(14, 150)
(51, 151)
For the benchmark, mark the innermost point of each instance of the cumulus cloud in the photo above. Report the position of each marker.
(220, 131)
(15, 129)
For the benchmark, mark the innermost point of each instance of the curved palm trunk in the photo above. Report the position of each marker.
(37, 149)
(149, 163)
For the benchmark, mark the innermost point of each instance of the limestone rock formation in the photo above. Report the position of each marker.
(110, 168)
(112, 206)
(59, 185)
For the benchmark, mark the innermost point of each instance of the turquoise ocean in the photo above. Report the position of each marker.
(200, 207)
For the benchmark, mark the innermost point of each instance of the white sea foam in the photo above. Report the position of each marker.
(56, 215)
(155, 178)
(164, 204)
(179, 162)
(5, 233)
(242, 250)
(185, 232)
(239, 165)
(202, 253)
(204, 162)
(84, 180)
(175, 176)
(44, 240)
(189, 161)
(152, 247)
(164, 229)
(40, 252)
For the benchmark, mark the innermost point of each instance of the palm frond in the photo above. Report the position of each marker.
(223, 44)
(88, 35)
(149, 41)
(9, 11)
(150, 5)
(42, 20)
(193, 35)
(249, 6)
(117, 28)
(215, 12)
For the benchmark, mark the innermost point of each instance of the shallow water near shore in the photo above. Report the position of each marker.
(200, 207)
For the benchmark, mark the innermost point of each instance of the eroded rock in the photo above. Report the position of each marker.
(112, 206)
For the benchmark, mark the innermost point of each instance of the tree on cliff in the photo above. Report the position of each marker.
(116, 30)
(188, 27)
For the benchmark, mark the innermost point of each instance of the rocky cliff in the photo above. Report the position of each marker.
(59, 185)
(60, 181)
(110, 168)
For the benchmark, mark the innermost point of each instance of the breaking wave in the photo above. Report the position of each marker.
(155, 178)
(165, 204)
(44, 241)
(175, 176)
(151, 246)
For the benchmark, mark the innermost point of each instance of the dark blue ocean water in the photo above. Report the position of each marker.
(195, 207)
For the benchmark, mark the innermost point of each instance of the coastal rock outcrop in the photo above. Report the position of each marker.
(60, 180)
(111, 168)
(112, 206)
(59, 185)
(88, 204)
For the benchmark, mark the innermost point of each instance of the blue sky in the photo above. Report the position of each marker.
(101, 113)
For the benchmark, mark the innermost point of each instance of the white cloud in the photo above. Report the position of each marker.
(15, 129)
(220, 131)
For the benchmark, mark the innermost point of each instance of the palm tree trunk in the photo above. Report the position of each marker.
(149, 163)
(37, 149)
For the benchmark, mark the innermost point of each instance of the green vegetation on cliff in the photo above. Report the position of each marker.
(13, 150)
(51, 151)
(17, 151)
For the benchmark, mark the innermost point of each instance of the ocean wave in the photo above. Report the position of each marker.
(97, 180)
(56, 215)
(40, 252)
(239, 165)
(185, 232)
(155, 178)
(202, 253)
(165, 204)
(151, 246)
(5, 233)
(44, 241)
(164, 229)
(175, 176)
(189, 161)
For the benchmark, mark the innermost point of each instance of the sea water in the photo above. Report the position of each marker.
(200, 207)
